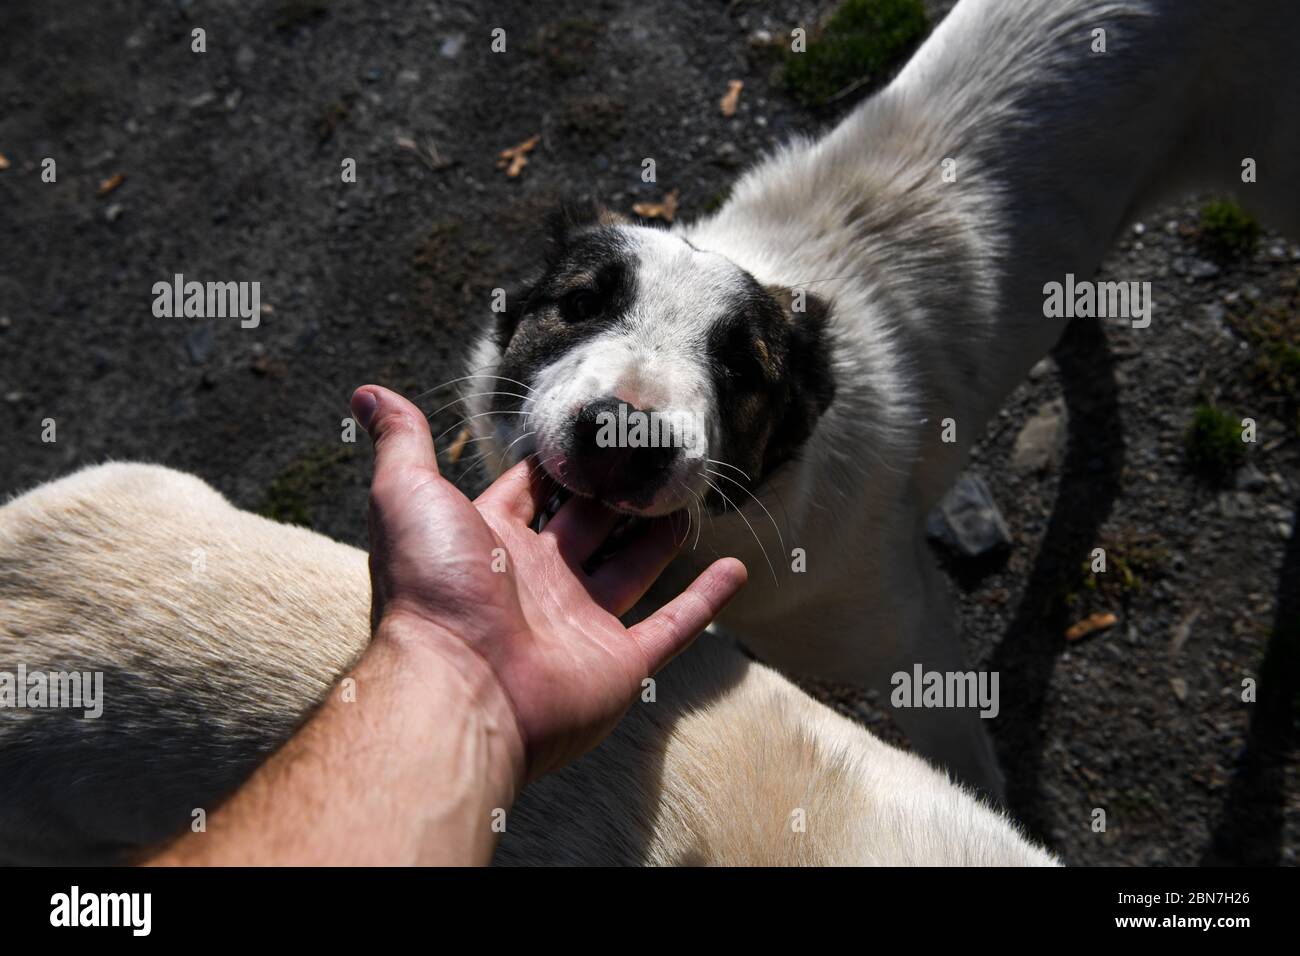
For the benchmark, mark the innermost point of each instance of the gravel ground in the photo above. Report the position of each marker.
(231, 161)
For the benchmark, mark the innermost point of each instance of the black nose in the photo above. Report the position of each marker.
(619, 453)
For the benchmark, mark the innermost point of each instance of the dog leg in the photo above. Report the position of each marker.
(954, 737)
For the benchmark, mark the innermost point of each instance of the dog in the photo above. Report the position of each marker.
(218, 633)
(840, 331)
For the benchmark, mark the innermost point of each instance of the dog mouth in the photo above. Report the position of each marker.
(625, 529)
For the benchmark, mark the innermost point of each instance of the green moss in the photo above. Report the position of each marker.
(306, 481)
(858, 45)
(1214, 445)
(1226, 232)
(1272, 331)
(1133, 562)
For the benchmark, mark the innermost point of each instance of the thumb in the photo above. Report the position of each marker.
(668, 631)
(398, 429)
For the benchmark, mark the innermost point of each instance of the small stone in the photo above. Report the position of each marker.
(114, 212)
(1042, 439)
(199, 344)
(1195, 268)
(13, 398)
(1249, 478)
(1280, 513)
(1042, 368)
(452, 45)
(1139, 228)
(1284, 530)
(968, 520)
(1236, 504)
(1179, 686)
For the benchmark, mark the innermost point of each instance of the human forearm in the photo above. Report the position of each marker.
(408, 768)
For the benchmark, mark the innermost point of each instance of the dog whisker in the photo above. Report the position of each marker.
(506, 454)
(470, 377)
(465, 398)
(464, 421)
(757, 539)
(775, 527)
(699, 505)
(724, 464)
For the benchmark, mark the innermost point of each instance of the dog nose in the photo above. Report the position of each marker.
(620, 453)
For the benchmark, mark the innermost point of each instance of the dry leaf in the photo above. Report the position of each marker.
(458, 446)
(1091, 624)
(514, 159)
(4, 161)
(111, 183)
(666, 210)
(728, 103)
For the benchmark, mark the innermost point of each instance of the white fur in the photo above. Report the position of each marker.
(219, 631)
(937, 288)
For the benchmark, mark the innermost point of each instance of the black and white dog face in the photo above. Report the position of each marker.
(658, 374)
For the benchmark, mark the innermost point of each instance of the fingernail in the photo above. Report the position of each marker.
(363, 407)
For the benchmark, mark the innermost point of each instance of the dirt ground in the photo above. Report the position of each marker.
(231, 161)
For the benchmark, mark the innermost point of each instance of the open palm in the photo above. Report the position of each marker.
(478, 574)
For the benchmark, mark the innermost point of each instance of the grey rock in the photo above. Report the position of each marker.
(1249, 478)
(199, 344)
(1236, 504)
(1042, 439)
(1280, 513)
(1195, 268)
(452, 46)
(967, 520)
(1042, 368)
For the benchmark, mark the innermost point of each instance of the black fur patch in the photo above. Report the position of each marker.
(773, 378)
(587, 261)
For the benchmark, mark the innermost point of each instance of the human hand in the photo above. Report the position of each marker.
(512, 606)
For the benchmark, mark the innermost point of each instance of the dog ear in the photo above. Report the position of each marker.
(574, 216)
(507, 321)
(809, 359)
(808, 369)
(560, 226)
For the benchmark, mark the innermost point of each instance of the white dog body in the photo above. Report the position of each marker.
(1007, 154)
(218, 632)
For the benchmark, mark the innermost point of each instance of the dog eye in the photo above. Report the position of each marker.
(581, 304)
(744, 372)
